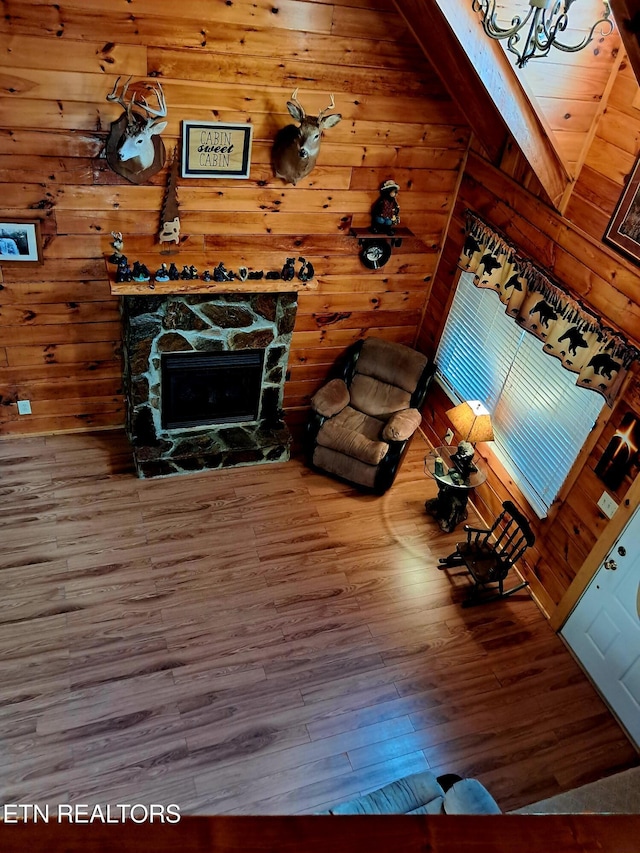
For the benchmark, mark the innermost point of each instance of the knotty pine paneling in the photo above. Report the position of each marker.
(571, 248)
(237, 62)
(568, 89)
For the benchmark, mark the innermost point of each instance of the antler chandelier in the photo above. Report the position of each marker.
(547, 19)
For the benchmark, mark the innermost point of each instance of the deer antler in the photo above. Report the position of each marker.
(294, 99)
(162, 104)
(326, 109)
(120, 99)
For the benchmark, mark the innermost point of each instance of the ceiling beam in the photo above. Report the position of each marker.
(627, 15)
(480, 79)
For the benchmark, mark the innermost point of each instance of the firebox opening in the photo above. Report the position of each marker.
(210, 388)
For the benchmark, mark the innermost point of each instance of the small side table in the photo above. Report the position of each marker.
(449, 508)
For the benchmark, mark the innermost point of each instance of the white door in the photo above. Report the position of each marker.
(604, 628)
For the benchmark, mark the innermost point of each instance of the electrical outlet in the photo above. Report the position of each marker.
(24, 407)
(448, 436)
(607, 504)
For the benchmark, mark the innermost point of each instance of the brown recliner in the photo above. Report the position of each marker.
(362, 420)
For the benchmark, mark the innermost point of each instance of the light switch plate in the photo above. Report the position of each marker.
(24, 407)
(448, 436)
(607, 504)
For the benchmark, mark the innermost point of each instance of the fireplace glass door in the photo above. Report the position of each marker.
(210, 388)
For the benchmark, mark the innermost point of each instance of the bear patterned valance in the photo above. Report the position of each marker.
(599, 355)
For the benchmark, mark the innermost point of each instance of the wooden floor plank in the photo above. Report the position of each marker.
(263, 640)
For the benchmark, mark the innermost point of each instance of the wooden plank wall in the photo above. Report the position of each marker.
(240, 61)
(571, 248)
(60, 331)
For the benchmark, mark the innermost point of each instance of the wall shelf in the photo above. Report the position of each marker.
(367, 234)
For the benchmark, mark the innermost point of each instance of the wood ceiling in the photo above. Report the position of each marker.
(551, 108)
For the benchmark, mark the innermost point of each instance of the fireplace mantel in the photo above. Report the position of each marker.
(198, 286)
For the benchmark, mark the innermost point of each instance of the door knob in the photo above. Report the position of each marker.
(611, 565)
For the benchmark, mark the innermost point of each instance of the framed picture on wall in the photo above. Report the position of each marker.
(621, 455)
(213, 149)
(623, 232)
(20, 242)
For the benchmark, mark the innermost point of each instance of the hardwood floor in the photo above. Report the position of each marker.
(262, 640)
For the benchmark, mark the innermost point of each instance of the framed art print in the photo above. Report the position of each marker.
(621, 455)
(213, 149)
(20, 242)
(623, 232)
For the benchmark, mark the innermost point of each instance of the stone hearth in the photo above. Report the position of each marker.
(153, 325)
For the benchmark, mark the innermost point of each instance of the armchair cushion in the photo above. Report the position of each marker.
(331, 398)
(376, 397)
(345, 467)
(354, 434)
(391, 363)
(468, 796)
(402, 425)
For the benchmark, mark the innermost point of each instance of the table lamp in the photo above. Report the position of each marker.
(472, 422)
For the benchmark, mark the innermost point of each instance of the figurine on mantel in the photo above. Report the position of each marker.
(118, 245)
(140, 272)
(306, 271)
(221, 273)
(189, 273)
(206, 275)
(385, 212)
(123, 273)
(288, 270)
(174, 275)
(162, 274)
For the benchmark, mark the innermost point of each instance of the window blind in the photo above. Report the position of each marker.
(541, 418)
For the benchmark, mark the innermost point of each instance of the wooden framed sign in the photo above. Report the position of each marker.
(20, 242)
(213, 149)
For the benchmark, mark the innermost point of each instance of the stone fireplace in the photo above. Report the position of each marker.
(204, 379)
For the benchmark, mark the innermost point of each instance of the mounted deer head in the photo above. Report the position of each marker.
(134, 147)
(295, 149)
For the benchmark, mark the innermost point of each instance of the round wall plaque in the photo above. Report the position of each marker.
(375, 253)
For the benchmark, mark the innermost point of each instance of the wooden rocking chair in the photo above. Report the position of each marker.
(489, 553)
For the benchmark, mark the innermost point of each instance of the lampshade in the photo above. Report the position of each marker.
(471, 421)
